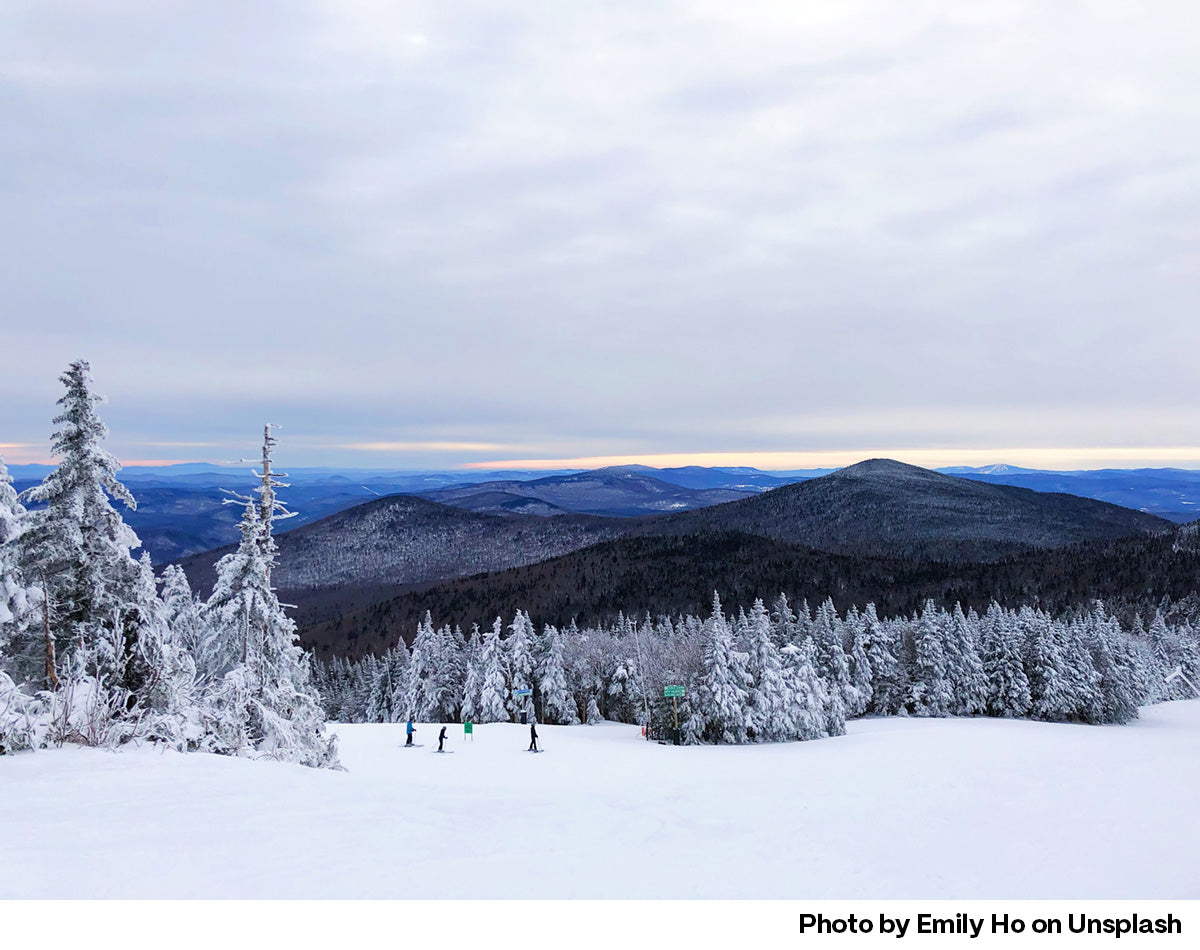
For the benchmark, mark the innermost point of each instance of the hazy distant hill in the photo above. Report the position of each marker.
(883, 507)
(739, 479)
(614, 492)
(1170, 493)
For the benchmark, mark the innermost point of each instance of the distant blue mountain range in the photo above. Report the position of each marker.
(1172, 493)
(182, 509)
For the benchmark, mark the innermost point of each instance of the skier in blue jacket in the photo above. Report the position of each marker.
(410, 730)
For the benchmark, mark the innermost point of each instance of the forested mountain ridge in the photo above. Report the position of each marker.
(676, 574)
(881, 507)
(404, 539)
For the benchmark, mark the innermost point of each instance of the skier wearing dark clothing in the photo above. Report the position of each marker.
(441, 739)
(409, 728)
(533, 737)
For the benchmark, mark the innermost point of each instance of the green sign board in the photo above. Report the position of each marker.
(670, 691)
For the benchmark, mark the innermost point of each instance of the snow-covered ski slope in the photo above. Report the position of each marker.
(897, 808)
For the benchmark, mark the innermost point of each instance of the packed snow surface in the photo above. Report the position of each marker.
(950, 808)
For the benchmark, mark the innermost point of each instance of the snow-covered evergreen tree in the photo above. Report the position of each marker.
(25, 720)
(158, 669)
(770, 712)
(860, 691)
(832, 664)
(931, 691)
(265, 703)
(784, 622)
(241, 603)
(521, 663)
(968, 681)
(725, 681)
(22, 640)
(815, 711)
(493, 692)
(76, 546)
(1122, 683)
(183, 613)
(389, 674)
(472, 697)
(1002, 655)
(889, 686)
(1051, 695)
(421, 690)
(558, 705)
(1079, 672)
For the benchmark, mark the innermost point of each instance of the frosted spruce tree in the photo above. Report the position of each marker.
(889, 687)
(168, 688)
(1003, 659)
(1123, 684)
(725, 681)
(558, 705)
(771, 710)
(1050, 688)
(23, 646)
(453, 674)
(265, 704)
(389, 673)
(815, 711)
(832, 663)
(493, 692)
(931, 691)
(784, 623)
(521, 664)
(473, 683)
(1080, 671)
(183, 613)
(78, 549)
(418, 696)
(21, 722)
(859, 694)
(968, 682)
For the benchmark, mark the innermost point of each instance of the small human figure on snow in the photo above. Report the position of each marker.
(533, 737)
(441, 739)
(410, 730)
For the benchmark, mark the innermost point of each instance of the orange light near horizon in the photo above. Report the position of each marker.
(1057, 458)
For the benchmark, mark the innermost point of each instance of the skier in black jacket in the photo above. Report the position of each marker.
(533, 737)
(441, 739)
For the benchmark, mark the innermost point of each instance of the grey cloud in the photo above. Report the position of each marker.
(621, 229)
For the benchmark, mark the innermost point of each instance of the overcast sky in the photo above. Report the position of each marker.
(431, 234)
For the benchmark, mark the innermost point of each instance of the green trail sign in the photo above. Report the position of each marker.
(669, 691)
